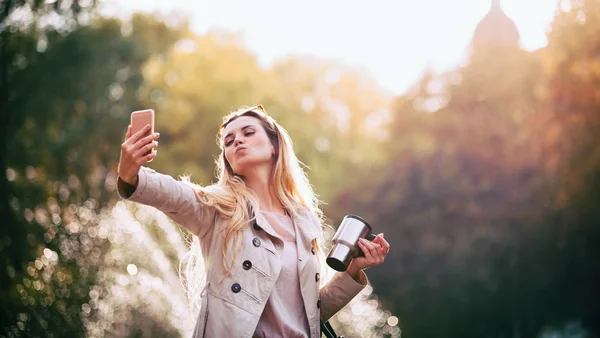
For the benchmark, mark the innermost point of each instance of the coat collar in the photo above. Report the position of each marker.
(308, 228)
(307, 224)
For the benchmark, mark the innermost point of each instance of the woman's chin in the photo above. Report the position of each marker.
(247, 163)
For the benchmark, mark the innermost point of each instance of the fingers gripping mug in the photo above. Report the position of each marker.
(344, 246)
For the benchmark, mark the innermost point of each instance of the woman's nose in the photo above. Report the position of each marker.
(238, 140)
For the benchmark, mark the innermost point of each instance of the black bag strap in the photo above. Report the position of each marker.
(328, 330)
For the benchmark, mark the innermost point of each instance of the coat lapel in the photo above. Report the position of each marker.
(264, 224)
(307, 229)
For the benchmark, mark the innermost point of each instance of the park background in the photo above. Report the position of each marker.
(483, 174)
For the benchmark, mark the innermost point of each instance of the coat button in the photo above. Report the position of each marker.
(312, 250)
(236, 288)
(256, 242)
(318, 303)
(317, 277)
(247, 265)
(256, 227)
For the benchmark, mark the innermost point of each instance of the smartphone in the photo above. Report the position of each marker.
(139, 119)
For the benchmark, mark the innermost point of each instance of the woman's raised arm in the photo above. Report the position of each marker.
(144, 185)
(136, 150)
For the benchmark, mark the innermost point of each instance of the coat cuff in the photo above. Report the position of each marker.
(362, 278)
(128, 191)
(339, 291)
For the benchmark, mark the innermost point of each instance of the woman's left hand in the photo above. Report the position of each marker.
(375, 253)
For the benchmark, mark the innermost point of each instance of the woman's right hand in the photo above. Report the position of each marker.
(135, 151)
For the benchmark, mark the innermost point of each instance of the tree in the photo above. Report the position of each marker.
(19, 42)
(574, 135)
(63, 103)
(490, 198)
(459, 198)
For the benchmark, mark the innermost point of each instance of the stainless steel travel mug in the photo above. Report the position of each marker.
(344, 246)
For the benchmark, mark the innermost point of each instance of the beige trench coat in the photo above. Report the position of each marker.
(232, 306)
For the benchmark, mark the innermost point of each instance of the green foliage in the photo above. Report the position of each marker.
(63, 103)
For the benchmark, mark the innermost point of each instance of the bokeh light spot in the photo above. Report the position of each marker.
(132, 269)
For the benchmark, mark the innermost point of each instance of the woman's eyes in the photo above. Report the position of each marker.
(230, 141)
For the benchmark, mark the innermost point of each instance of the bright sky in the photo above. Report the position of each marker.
(393, 40)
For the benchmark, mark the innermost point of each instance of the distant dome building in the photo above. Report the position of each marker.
(496, 29)
(499, 77)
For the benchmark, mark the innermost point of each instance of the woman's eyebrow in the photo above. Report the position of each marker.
(229, 134)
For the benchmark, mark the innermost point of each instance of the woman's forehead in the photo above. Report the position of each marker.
(240, 123)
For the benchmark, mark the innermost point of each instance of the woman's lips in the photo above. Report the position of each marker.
(240, 149)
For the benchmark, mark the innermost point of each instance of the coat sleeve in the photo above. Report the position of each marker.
(338, 292)
(176, 199)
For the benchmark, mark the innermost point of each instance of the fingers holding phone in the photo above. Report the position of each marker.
(145, 148)
(139, 145)
(143, 144)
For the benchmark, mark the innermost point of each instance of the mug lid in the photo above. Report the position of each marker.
(360, 219)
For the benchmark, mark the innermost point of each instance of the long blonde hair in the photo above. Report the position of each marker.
(234, 201)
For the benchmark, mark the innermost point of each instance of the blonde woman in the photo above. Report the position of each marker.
(253, 268)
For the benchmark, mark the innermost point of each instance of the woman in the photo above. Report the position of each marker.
(253, 268)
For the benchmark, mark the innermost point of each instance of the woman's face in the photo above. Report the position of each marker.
(247, 144)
